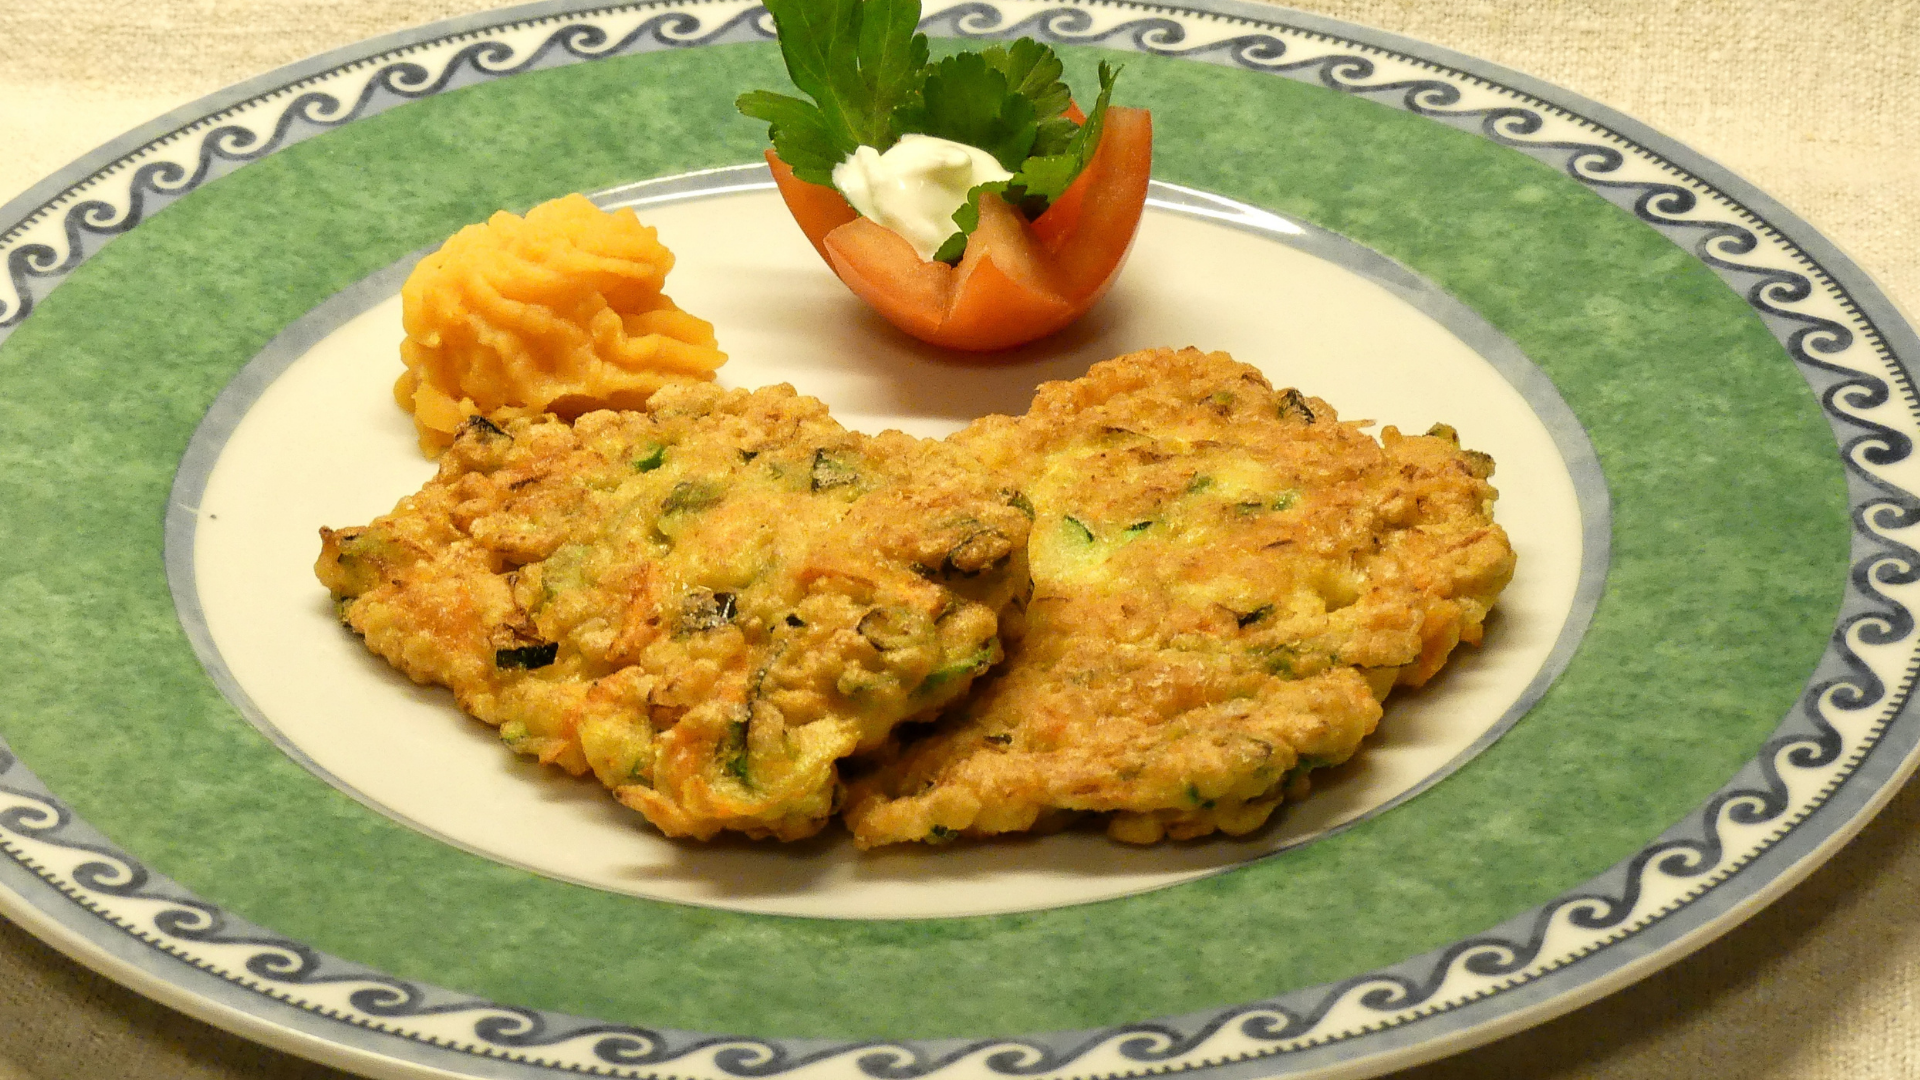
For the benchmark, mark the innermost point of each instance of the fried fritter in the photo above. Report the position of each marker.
(708, 603)
(1227, 581)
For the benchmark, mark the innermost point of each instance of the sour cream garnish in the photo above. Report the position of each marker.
(915, 186)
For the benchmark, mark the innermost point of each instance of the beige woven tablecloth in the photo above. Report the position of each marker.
(1815, 102)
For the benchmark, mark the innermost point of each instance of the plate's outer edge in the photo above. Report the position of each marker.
(1835, 758)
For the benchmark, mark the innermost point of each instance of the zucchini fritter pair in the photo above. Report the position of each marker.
(1203, 589)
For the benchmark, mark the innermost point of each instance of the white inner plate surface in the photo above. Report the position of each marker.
(325, 445)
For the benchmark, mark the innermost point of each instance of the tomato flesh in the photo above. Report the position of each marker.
(1004, 295)
(1019, 280)
(881, 268)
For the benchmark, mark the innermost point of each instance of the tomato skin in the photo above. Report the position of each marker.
(818, 210)
(1018, 281)
(1051, 227)
(1091, 246)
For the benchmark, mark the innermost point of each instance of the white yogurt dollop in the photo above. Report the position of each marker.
(915, 186)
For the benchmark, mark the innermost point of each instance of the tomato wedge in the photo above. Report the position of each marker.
(1019, 280)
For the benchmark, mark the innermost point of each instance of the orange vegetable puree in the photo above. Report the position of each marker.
(560, 312)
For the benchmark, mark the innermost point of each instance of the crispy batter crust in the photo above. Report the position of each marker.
(1202, 587)
(707, 604)
(1227, 580)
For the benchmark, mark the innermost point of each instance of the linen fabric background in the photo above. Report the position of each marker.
(1815, 102)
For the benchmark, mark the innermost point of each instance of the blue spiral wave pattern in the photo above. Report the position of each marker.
(1861, 683)
(35, 265)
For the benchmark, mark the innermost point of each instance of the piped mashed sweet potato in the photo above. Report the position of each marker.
(558, 312)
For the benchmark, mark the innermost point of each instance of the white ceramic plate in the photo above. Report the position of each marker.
(393, 893)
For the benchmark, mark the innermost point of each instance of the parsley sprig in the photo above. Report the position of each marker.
(865, 67)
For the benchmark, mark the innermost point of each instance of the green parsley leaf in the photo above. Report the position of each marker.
(800, 133)
(1053, 136)
(955, 246)
(859, 60)
(865, 67)
(1033, 72)
(969, 101)
(893, 56)
(1042, 178)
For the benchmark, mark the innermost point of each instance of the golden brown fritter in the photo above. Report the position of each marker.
(1227, 581)
(708, 603)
